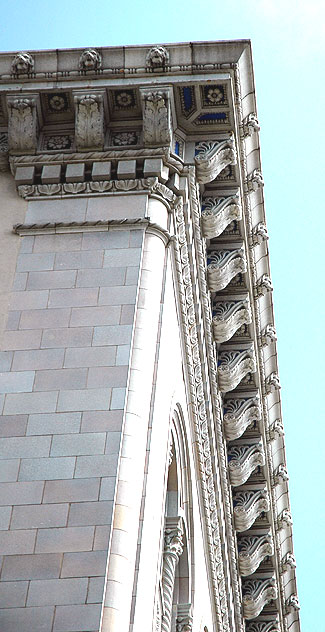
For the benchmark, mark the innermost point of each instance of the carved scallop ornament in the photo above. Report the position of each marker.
(238, 415)
(263, 626)
(252, 551)
(228, 316)
(243, 460)
(256, 594)
(248, 506)
(233, 366)
(212, 157)
(218, 213)
(223, 266)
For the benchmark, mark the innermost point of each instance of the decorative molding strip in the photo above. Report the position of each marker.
(252, 551)
(240, 413)
(272, 383)
(254, 181)
(259, 234)
(157, 125)
(224, 265)
(233, 366)
(218, 212)
(250, 125)
(268, 336)
(256, 594)
(262, 626)
(248, 506)
(228, 316)
(212, 157)
(263, 285)
(288, 563)
(243, 460)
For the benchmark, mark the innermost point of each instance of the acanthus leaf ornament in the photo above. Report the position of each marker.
(254, 181)
(256, 594)
(233, 367)
(259, 234)
(212, 157)
(288, 562)
(243, 460)
(90, 59)
(228, 317)
(272, 383)
(263, 285)
(22, 124)
(263, 626)
(268, 336)
(22, 63)
(89, 122)
(157, 57)
(252, 551)
(218, 212)
(248, 506)
(238, 415)
(250, 125)
(223, 266)
(157, 125)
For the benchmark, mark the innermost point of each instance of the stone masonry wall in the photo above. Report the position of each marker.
(64, 371)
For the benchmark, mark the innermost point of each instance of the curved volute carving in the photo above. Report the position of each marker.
(243, 459)
(259, 234)
(268, 335)
(252, 551)
(218, 212)
(240, 413)
(212, 157)
(292, 604)
(233, 366)
(248, 506)
(255, 181)
(262, 626)
(276, 429)
(272, 383)
(281, 475)
(285, 519)
(256, 594)
(288, 563)
(250, 125)
(228, 316)
(224, 265)
(263, 285)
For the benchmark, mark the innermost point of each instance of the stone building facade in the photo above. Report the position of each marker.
(143, 478)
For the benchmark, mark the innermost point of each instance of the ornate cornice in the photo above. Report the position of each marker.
(248, 506)
(212, 157)
(223, 266)
(233, 366)
(218, 212)
(256, 594)
(243, 460)
(228, 317)
(238, 415)
(252, 551)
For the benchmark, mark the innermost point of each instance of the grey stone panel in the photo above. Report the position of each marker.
(113, 440)
(76, 444)
(101, 171)
(91, 356)
(5, 514)
(5, 360)
(96, 590)
(39, 516)
(22, 619)
(91, 399)
(22, 493)
(46, 566)
(20, 340)
(13, 425)
(64, 539)
(136, 238)
(122, 355)
(44, 318)
(77, 297)
(126, 169)
(77, 618)
(72, 490)
(96, 513)
(107, 488)
(75, 172)
(35, 261)
(18, 403)
(16, 382)
(101, 421)
(33, 299)
(51, 468)
(13, 321)
(109, 376)
(51, 280)
(57, 243)
(24, 175)
(13, 594)
(103, 278)
(106, 240)
(27, 244)
(20, 447)
(101, 539)
(120, 295)
(78, 260)
(127, 315)
(112, 335)
(69, 210)
(118, 398)
(75, 337)
(57, 592)
(38, 359)
(98, 466)
(53, 423)
(14, 542)
(9, 470)
(60, 378)
(122, 257)
(20, 281)
(83, 564)
(132, 275)
(83, 316)
(51, 174)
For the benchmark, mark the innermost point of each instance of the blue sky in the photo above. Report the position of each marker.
(288, 48)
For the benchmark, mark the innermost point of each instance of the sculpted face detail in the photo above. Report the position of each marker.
(90, 59)
(157, 57)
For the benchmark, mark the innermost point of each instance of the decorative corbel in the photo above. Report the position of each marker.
(90, 59)
(228, 316)
(89, 121)
(22, 124)
(280, 475)
(292, 604)
(250, 125)
(243, 460)
(259, 234)
(263, 626)
(224, 265)
(263, 286)
(287, 563)
(254, 181)
(238, 415)
(256, 594)
(284, 520)
(212, 157)
(276, 429)
(22, 64)
(218, 212)
(233, 366)
(268, 335)
(272, 383)
(157, 123)
(248, 506)
(252, 551)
